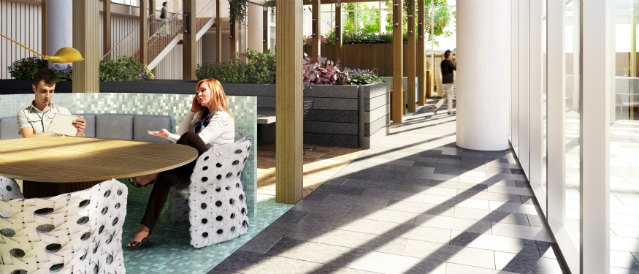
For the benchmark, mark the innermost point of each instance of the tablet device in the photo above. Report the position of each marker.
(62, 124)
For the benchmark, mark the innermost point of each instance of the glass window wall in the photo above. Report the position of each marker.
(572, 115)
(624, 143)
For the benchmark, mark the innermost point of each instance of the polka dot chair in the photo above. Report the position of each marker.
(78, 232)
(9, 189)
(216, 201)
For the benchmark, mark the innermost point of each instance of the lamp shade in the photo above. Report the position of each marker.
(65, 55)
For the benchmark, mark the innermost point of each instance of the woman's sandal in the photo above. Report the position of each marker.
(134, 182)
(145, 242)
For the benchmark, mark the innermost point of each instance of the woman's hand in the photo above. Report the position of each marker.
(195, 105)
(162, 133)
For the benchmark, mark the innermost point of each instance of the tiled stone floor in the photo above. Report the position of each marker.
(415, 203)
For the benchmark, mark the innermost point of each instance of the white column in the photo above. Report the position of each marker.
(254, 21)
(59, 25)
(483, 74)
(598, 66)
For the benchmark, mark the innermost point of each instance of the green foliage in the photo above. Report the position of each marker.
(362, 38)
(25, 68)
(441, 18)
(124, 69)
(260, 69)
(362, 77)
(237, 10)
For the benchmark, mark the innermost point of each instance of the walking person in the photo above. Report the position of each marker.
(447, 68)
(164, 29)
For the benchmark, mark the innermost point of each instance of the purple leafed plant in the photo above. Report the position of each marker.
(322, 71)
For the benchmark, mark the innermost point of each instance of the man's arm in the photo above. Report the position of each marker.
(25, 129)
(28, 132)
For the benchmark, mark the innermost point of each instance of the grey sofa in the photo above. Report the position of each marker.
(108, 126)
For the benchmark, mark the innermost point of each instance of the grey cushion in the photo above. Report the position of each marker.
(89, 131)
(114, 126)
(9, 128)
(142, 123)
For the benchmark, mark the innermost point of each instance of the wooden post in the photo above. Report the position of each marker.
(398, 47)
(188, 40)
(45, 7)
(86, 28)
(421, 55)
(410, 63)
(265, 28)
(144, 33)
(152, 16)
(317, 40)
(218, 31)
(338, 32)
(288, 102)
(106, 27)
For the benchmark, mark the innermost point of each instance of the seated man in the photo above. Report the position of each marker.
(34, 120)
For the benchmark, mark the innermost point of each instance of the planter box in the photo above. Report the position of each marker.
(346, 116)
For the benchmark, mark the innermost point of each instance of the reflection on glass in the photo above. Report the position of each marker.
(572, 115)
(544, 95)
(624, 143)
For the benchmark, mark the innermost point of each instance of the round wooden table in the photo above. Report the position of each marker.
(54, 165)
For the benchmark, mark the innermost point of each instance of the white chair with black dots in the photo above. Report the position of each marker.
(9, 189)
(78, 232)
(216, 200)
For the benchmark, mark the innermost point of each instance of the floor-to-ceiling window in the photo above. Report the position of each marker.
(572, 114)
(624, 142)
(544, 101)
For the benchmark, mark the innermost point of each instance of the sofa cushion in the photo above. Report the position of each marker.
(143, 123)
(114, 126)
(9, 128)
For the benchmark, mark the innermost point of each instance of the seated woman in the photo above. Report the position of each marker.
(208, 123)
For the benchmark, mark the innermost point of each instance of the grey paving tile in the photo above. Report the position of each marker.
(261, 243)
(452, 268)
(492, 242)
(524, 262)
(239, 261)
(623, 259)
(391, 263)
(522, 232)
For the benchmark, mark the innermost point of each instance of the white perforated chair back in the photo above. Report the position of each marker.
(9, 189)
(217, 200)
(78, 232)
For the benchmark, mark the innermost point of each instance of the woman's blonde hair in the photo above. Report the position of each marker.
(218, 97)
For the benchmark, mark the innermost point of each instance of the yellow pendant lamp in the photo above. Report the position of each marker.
(63, 55)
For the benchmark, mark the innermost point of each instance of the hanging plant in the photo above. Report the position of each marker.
(237, 10)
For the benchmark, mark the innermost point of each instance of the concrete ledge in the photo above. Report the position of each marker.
(327, 115)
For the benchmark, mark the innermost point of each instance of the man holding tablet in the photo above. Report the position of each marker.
(34, 120)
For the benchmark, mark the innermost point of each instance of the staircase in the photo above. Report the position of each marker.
(163, 39)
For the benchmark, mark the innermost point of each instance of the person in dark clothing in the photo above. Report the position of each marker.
(447, 68)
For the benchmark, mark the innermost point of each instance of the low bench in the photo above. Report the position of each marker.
(265, 115)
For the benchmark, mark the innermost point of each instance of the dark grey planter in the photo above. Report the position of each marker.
(346, 116)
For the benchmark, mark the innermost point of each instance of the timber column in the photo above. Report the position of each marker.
(316, 44)
(483, 74)
(189, 46)
(288, 102)
(86, 39)
(397, 109)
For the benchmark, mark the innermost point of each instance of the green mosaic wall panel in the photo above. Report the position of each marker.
(242, 108)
